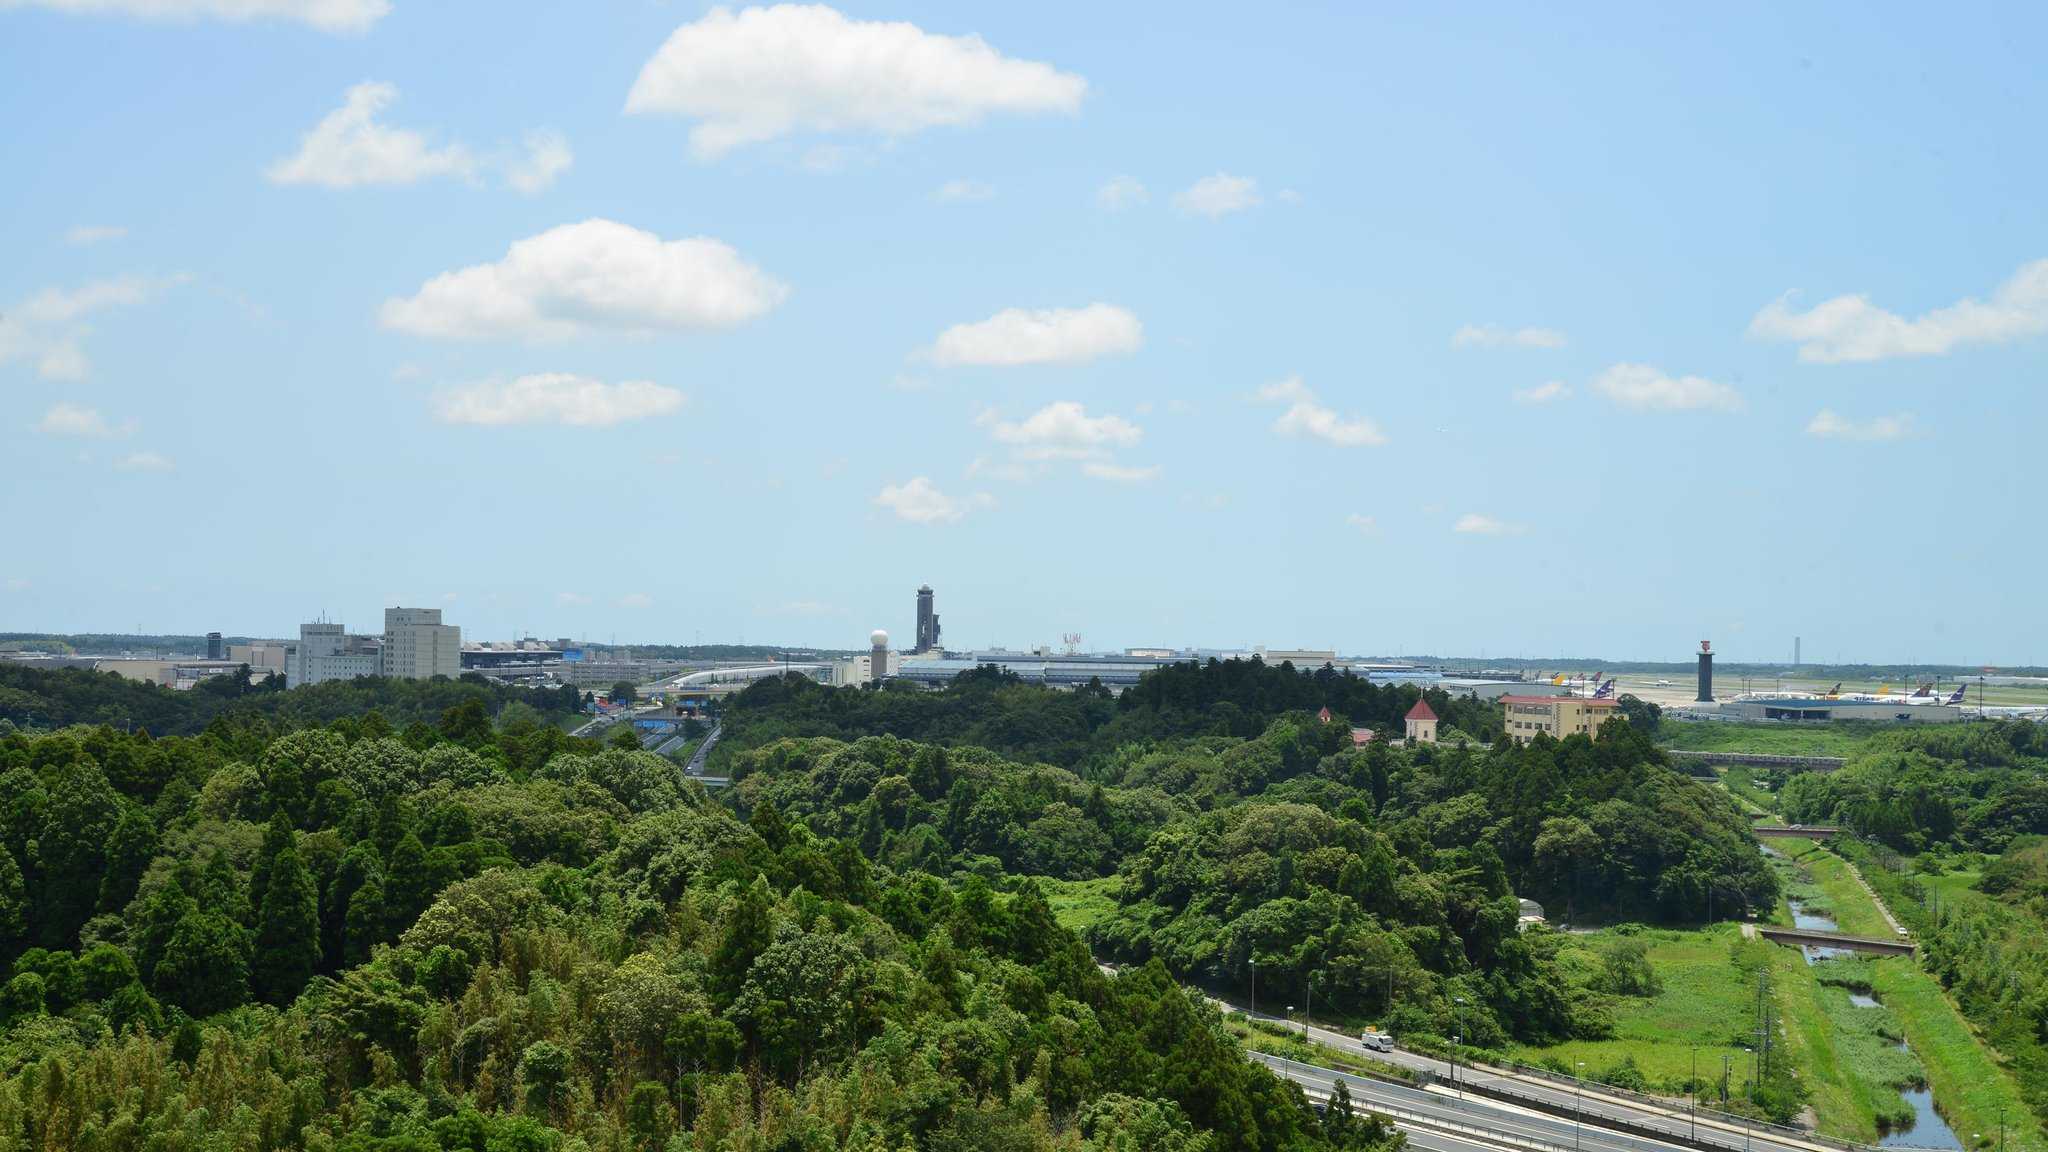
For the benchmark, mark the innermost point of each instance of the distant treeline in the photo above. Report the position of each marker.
(107, 643)
(60, 697)
(996, 710)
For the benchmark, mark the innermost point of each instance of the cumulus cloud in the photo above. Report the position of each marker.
(635, 600)
(1543, 393)
(1308, 416)
(964, 192)
(1499, 336)
(341, 16)
(50, 327)
(556, 398)
(1041, 336)
(86, 234)
(596, 276)
(1850, 329)
(764, 73)
(1217, 195)
(1062, 430)
(1121, 192)
(920, 502)
(1475, 524)
(1828, 425)
(1362, 522)
(351, 148)
(572, 599)
(65, 419)
(145, 462)
(1645, 388)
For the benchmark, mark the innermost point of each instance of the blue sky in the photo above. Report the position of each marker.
(1503, 331)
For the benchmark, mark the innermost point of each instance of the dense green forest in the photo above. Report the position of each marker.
(1969, 786)
(1388, 876)
(471, 935)
(42, 698)
(990, 709)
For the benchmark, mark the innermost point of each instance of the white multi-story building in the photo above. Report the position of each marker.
(417, 646)
(327, 652)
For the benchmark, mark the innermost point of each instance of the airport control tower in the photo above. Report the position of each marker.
(1706, 693)
(927, 621)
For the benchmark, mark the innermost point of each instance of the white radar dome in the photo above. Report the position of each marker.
(878, 638)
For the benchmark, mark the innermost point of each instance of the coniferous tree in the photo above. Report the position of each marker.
(407, 881)
(364, 925)
(129, 850)
(276, 835)
(746, 933)
(288, 929)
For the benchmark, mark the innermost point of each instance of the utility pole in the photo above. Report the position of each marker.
(1692, 1093)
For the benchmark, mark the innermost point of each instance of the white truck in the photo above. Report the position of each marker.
(1376, 1040)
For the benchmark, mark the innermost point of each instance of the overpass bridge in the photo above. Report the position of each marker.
(1708, 760)
(1794, 831)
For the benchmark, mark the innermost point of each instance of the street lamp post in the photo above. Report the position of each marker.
(1745, 1115)
(1724, 1079)
(1692, 1094)
(1578, 1102)
(1254, 964)
(1457, 1039)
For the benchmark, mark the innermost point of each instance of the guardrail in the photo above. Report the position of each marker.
(1678, 1110)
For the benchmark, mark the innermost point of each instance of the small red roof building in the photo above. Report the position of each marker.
(1421, 711)
(1324, 715)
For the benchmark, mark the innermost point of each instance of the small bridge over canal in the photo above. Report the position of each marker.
(1704, 763)
(1875, 945)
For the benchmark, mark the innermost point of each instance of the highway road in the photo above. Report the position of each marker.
(1661, 1124)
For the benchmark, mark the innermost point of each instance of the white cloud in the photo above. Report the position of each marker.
(1121, 192)
(1308, 416)
(572, 599)
(635, 600)
(94, 234)
(547, 157)
(1474, 524)
(1119, 473)
(1363, 523)
(1217, 195)
(1828, 425)
(64, 419)
(1497, 336)
(920, 502)
(1041, 336)
(964, 192)
(1543, 393)
(145, 462)
(590, 277)
(556, 398)
(326, 15)
(18, 584)
(1850, 329)
(1645, 388)
(349, 148)
(1062, 430)
(49, 326)
(763, 73)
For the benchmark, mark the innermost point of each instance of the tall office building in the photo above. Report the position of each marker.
(418, 646)
(326, 652)
(213, 646)
(927, 621)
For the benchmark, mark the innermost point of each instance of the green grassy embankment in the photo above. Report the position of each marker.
(1830, 888)
(1971, 1087)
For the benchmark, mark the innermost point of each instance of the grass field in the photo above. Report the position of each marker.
(1078, 904)
(1765, 739)
(1708, 997)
